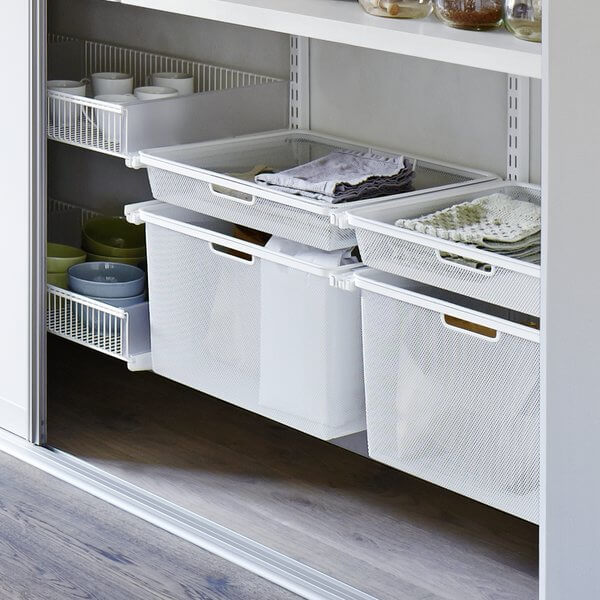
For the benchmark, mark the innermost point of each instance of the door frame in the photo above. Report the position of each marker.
(38, 221)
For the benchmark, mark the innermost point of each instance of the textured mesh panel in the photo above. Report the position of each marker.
(284, 221)
(273, 217)
(504, 287)
(451, 407)
(271, 339)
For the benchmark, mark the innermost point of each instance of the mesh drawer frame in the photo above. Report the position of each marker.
(451, 407)
(502, 286)
(418, 257)
(177, 176)
(206, 333)
(288, 222)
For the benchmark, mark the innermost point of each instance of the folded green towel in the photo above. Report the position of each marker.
(492, 222)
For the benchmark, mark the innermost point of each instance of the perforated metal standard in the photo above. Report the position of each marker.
(422, 262)
(518, 132)
(299, 82)
(272, 339)
(452, 407)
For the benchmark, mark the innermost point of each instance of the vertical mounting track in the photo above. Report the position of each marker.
(299, 82)
(517, 155)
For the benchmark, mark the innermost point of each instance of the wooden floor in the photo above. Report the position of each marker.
(377, 529)
(59, 543)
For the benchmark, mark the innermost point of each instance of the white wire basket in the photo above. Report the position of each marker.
(117, 332)
(121, 333)
(484, 275)
(226, 102)
(452, 391)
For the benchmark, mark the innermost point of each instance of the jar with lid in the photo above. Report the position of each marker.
(400, 9)
(524, 19)
(477, 15)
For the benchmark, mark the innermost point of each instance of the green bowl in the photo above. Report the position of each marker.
(60, 257)
(60, 280)
(114, 237)
(126, 261)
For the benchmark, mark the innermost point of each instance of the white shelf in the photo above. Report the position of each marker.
(120, 332)
(345, 22)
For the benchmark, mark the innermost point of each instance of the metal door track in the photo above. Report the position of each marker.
(242, 551)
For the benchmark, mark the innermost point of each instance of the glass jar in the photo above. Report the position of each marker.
(524, 18)
(400, 9)
(477, 15)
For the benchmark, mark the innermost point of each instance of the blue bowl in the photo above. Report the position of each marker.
(121, 302)
(106, 280)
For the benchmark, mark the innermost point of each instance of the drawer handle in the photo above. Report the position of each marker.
(489, 271)
(233, 195)
(232, 254)
(470, 328)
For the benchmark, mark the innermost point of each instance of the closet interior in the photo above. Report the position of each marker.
(235, 388)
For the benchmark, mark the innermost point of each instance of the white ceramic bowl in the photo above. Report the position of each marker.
(155, 92)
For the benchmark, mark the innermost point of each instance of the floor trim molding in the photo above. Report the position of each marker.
(242, 551)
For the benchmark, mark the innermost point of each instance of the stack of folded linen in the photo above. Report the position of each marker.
(344, 176)
(496, 223)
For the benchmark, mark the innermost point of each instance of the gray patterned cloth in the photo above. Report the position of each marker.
(344, 176)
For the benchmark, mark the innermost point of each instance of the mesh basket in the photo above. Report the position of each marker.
(182, 176)
(420, 257)
(289, 222)
(455, 408)
(267, 337)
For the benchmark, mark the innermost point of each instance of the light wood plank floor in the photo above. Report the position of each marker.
(379, 530)
(59, 543)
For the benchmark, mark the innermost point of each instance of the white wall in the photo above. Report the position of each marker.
(208, 41)
(452, 113)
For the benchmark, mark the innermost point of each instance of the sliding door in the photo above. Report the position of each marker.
(22, 177)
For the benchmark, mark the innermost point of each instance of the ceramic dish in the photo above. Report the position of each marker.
(114, 237)
(60, 280)
(136, 261)
(106, 280)
(60, 257)
(121, 302)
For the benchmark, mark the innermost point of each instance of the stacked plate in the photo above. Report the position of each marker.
(114, 240)
(59, 258)
(112, 283)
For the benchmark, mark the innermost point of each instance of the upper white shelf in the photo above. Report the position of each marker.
(345, 22)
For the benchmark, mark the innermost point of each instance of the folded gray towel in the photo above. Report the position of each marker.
(344, 176)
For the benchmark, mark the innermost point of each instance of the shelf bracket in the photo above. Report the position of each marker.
(517, 155)
(299, 82)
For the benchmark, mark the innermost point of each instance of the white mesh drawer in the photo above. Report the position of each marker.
(215, 178)
(289, 222)
(451, 406)
(498, 280)
(269, 337)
